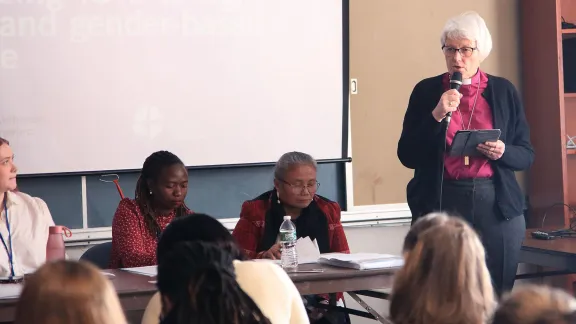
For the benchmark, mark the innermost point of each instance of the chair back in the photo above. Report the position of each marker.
(99, 255)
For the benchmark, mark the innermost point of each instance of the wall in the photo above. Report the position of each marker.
(218, 192)
(393, 45)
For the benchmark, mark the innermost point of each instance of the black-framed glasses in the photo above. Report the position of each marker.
(464, 51)
(312, 187)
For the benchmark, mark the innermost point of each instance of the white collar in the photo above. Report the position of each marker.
(12, 198)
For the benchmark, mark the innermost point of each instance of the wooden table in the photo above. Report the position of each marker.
(558, 253)
(354, 282)
(135, 290)
(334, 279)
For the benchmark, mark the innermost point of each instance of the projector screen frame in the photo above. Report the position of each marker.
(345, 158)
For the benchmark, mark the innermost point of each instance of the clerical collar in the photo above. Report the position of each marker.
(467, 81)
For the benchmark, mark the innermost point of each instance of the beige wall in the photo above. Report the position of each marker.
(393, 45)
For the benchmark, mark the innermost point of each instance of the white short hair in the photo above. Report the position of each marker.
(469, 25)
(290, 159)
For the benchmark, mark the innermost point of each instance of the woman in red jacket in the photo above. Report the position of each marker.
(294, 194)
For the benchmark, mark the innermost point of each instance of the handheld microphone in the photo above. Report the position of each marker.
(455, 83)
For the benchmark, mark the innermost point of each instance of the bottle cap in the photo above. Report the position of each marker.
(287, 217)
(58, 229)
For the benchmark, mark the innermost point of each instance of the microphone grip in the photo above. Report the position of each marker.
(448, 117)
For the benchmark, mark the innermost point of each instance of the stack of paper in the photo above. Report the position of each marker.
(150, 271)
(307, 250)
(362, 261)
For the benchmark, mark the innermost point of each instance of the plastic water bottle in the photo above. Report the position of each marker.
(288, 241)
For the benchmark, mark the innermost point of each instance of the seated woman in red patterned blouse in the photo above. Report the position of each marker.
(294, 194)
(160, 193)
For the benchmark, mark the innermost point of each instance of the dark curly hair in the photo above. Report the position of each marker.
(199, 280)
(153, 166)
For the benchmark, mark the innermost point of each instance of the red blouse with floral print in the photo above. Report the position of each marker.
(133, 245)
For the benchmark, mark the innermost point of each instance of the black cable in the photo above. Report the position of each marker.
(474, 202)
(564, 232)
(572, 219)
(443, 160)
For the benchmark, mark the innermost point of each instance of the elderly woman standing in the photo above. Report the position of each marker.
(483, 190)
(294, 194)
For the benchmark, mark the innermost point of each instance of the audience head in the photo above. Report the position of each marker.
(161, 188)
(466, 42)
(197, 228)
(420, 226)
(197, 284)
(8, 169)
(531, 304)
(68, 292)
(444, 278)
(295, 179)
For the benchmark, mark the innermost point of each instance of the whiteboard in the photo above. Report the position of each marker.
(94, 85)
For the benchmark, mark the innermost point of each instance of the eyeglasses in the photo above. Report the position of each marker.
(298, 189)
(464, 51)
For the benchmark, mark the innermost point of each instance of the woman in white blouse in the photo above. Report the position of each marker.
(24, 222)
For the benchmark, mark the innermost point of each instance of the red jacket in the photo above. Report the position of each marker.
(250, 228)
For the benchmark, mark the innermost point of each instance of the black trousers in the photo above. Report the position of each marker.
(475, 201)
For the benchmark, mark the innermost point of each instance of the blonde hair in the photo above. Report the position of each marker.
(68, 292)
(532, 304)
(420, 226)
(469, 25)
(444, 278)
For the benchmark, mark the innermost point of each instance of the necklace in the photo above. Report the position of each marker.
(467, 158)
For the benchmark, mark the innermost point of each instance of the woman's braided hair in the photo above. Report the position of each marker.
(200, 281)
(153, 166)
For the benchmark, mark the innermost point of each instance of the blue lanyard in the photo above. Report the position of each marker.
(10, 252)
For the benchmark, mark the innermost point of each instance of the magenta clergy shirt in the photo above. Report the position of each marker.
(479, 167)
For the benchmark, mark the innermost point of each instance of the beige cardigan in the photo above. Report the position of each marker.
(267, 284)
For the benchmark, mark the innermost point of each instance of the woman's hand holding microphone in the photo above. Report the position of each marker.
(449, 102)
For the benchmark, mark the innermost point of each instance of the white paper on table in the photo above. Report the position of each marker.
(11, 290)
(150, 271)
(307, 250)
(362, 261)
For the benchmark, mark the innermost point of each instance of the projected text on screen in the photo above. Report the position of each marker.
(101, 84)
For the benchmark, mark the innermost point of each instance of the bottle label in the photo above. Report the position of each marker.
(287, 236)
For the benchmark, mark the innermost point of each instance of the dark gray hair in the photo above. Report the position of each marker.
(290, 159)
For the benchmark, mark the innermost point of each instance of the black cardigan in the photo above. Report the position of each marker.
(421, 145)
